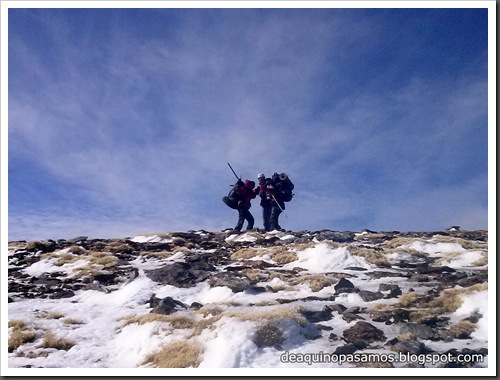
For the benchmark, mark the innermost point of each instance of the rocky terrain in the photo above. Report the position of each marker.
(251, 299)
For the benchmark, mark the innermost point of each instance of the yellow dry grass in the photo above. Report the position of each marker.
(266, 313)
(50, 340)
(466, 244)
(50, 315)
(448, 301)
(316, 281)
(460, 330)
(370, 255)
(158, 255)
(399, 241)
(19, 335)
(179, 354)
(284, 257)
(176, 321)
(72, 321)
(247, 253)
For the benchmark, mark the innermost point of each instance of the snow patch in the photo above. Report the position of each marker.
(434, 248)
(323, 258)
(150, 239)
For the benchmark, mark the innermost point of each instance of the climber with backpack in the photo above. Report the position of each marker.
(239, 198)
(280, 190)
(265, 200)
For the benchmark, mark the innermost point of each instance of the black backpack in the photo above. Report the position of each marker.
(232, 199)
(284, 186)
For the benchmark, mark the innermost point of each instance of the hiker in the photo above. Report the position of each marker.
(239, 198)
(265, 200)
(280, 190)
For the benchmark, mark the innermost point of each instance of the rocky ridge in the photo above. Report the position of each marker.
(395, 294)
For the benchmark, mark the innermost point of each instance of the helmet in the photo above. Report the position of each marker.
(283, 176)
(261, 176)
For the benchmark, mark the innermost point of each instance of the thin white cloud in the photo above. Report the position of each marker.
(147, 129)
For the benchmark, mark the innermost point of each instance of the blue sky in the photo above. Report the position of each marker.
(122, 121)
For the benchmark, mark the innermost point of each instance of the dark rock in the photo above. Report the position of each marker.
(339, 237)
(77, 239)
(390, 316)
(268, 336)
(353, 310)
(233, 282)
(63, 293)
(182, 275)
(349, 317)
(474, 317)
(45, 280)
(339, 308)
(256, 289)
(153, 301)
(324, 327)
(350, 348)
(434, 321)
(363, 333)
(333, 336)
(44, 246)
(419, 278)
(343, 283)
(368, 296)
(480, 235)
(168, 306)
(106, 278)
(478, 278)
(409, 347)
(196, 306)
(435, 270)
(418, 330)
(318, 316)
(393, 289)
(316, 298)
(381, 274)
(346, 290)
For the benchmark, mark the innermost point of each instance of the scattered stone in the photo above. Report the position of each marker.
(339, 308)
(349, 317)
(368, 296)
(318, 316)
(207, 258)
(339, 237)
(233, 282)
(268, 335)
(420, 331)
(168, 306)
(413, 347)
(363, 333)
(182, 275)
(343, 283)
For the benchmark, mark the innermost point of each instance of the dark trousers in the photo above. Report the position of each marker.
(244, 214)
(273, 219)
(266, 215)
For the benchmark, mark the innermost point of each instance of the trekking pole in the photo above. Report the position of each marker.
(272, 195)
(230, 167)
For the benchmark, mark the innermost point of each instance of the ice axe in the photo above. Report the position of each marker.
(230, 167)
